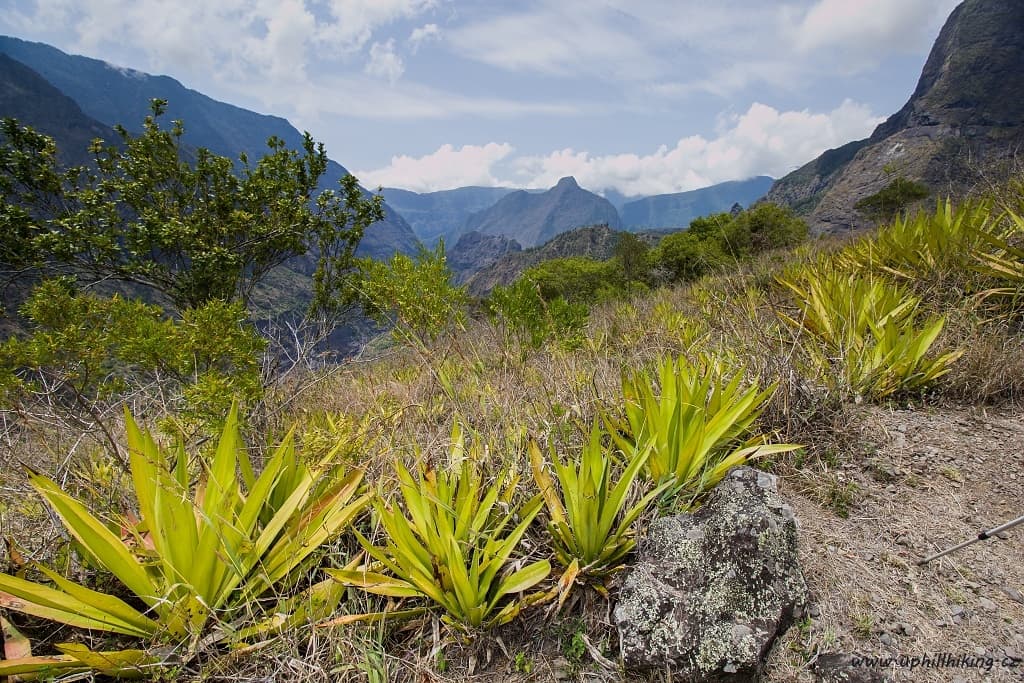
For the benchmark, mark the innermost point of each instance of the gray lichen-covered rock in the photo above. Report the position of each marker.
(713, 590)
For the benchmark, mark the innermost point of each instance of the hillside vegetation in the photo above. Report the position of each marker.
(461, 498)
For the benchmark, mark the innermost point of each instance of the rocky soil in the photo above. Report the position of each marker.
(920, 481)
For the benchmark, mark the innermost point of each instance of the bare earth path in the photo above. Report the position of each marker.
(919, 481)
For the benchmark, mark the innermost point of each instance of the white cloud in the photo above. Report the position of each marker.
(446, 168)
(421, 34)
(562, 38)
(384, 62)
(762, 141)
(267, 42)
(354, 21)
(672, 48)
(868, 27)
(315, 106)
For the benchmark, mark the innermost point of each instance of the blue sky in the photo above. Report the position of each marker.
(644, 96)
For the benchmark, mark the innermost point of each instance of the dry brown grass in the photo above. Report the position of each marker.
(402, 402)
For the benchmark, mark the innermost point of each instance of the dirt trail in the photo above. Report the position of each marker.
(920, 481)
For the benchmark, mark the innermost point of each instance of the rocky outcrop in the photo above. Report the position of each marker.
(533, 218)
(475, 251)
(963, 124)
(714, 589)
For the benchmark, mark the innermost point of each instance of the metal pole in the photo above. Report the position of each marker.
(981, 537)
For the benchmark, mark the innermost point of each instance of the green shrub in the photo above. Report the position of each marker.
(414, 295)
(188, 224)
(576, 279)
(763, 227)
(83, 348)
(686, 256)
(893, 198)
(710, 227)
(714, 241)
(633, 257)
(532, 321)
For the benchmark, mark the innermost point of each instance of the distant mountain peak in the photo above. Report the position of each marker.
(534, 218)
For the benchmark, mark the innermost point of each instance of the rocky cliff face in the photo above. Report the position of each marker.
(532, 218)
(475, 251)
(962, 126)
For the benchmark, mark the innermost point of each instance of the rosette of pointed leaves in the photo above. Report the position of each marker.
(697, 428)
(452, 541)
(1004, 265)
(867, 328)
(190, 557)
(591, 514)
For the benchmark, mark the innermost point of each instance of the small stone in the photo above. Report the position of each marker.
(814, 611)
(1003, 535)
(907, 629)
(561, 669)
(987, 605)
(903, 540)
(1013, 594)
(956, 610)
(886, 639)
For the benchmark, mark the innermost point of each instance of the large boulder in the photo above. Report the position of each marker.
(714, 589)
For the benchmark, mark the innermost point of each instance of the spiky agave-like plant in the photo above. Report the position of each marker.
(191, 556)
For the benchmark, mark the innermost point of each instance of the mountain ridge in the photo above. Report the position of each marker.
(116, 95)
(960, 128)
(676, 210)
(442, 214)
(28, 97)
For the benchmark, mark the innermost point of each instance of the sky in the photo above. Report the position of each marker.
(641, 96)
